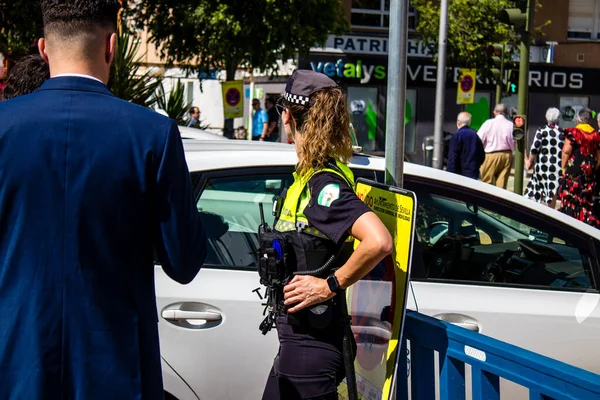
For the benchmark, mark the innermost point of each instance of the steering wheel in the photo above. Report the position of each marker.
(446, 255)
(494, 271)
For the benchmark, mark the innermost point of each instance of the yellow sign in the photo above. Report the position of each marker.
(466, 86)
(233, 103)
(377, 303)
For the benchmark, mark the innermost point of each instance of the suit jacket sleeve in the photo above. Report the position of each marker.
(180, 239)
(453, 155)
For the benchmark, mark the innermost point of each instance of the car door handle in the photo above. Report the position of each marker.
(467, 325)
(177, 315)
(460, 320)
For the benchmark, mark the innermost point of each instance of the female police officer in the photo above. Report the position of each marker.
(319, 213)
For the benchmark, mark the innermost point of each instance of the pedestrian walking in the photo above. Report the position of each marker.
(465, 153)
(260, 121)
(309, 363)
(580, 161)
(272, 134)
(86, 199)
(546, 157)
(496, 134)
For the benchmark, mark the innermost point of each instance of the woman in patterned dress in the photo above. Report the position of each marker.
(545, 158)
(580, 160)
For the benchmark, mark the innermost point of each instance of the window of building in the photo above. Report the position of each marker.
(189, 92)
(569, 107)
(584, 19)
(376, 14)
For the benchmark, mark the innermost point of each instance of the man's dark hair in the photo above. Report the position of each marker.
(72, 17)
(270, 100)
(585, 116)
(192, 110)
(26, 76)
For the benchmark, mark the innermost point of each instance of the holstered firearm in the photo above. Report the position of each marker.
(272, 270)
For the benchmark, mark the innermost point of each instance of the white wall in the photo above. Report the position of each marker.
(210, 99)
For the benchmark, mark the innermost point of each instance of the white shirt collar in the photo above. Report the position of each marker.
(79, 76)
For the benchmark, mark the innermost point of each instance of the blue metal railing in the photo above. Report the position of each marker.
(490, 359)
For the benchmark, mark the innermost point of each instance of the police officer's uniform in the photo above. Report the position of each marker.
(312, 228)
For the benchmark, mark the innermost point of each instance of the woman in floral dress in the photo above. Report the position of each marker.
(580, 159)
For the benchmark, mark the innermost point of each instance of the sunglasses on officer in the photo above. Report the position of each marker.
(279, 106)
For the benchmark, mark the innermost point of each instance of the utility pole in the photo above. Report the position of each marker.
(523, 95)
(500, 80)
(522, 20)
(396, 93)
(440, 90)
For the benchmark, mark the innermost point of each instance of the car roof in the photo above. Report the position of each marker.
(208, 155)
(199, 134)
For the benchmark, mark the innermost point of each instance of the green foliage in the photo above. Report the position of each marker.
(126, 81)
(472, 27)
(231, 34)
(174, 105)
(20, 25)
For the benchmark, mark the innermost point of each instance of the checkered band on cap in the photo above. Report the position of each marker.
(296, 98)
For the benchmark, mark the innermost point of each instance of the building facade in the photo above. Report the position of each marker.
(563, 73)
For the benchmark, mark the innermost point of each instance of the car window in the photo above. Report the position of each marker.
(473, 240)
(229, 208)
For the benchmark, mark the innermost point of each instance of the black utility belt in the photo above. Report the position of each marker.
(320, 316)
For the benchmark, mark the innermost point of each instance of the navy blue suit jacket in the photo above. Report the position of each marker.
(465, 153)
(90, 185)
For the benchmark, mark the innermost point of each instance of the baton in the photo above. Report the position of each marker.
(347, 350)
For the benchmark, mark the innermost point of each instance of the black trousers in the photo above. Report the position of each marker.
(309, 365)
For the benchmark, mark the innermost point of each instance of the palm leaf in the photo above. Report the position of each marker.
(126, 81)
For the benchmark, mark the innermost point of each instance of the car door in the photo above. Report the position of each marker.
(496, 267)
(209, 328)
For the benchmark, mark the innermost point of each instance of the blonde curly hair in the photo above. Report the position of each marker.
(324, 125)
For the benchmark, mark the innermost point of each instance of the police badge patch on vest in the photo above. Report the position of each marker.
(329, 194)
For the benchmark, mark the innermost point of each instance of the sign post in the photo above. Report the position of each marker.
(465, 93)
(377, 303)
(232, 99)
(396, 92)
(440, 90)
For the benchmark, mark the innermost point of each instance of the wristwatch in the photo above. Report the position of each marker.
(333, 284)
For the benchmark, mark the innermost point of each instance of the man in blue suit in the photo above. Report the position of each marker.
(465, 153)
(90, 187)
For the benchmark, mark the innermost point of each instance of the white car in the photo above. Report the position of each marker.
(486, 259)
(195, 133)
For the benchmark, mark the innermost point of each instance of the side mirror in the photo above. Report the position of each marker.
(435, 231)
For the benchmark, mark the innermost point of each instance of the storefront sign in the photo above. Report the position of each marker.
(370, 70)
(371, 45)
(378, 45)
(465, 93)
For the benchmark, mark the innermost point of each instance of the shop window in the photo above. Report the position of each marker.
(569, 107)
(376, 14)
(584, 21)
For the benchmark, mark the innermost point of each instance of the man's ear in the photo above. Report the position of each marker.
(111, 46)
(42, 49)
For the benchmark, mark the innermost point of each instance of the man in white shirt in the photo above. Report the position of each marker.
(496, 134)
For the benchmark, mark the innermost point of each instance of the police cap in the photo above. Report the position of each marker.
(305, 82)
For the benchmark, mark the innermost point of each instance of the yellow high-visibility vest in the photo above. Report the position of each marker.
(298, 197)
